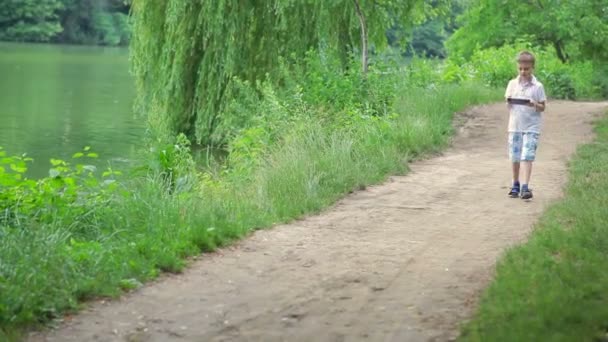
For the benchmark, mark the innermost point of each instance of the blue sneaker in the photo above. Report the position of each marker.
(514, 192)
(526, 194)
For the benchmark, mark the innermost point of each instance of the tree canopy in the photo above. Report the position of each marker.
(29, 20)
(65, 21)
(186, 53)
(575, 29)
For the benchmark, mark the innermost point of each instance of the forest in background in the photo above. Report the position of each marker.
(91, 22)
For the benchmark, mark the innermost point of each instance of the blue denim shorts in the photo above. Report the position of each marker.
(522, 146)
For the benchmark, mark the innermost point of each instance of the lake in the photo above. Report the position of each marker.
(55, 100)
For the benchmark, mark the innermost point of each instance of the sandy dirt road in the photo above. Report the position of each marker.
(401, 261)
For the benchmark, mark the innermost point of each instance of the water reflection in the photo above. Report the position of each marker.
(54, 100)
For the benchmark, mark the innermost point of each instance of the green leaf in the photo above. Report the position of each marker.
(78, 155)
(57, 162)
(57, 182)
(69, 181)
(87, 148)
(18, 168)
(92, 155)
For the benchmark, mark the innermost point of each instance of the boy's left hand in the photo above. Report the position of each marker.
(538, 106)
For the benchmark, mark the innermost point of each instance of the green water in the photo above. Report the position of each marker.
(54, 100)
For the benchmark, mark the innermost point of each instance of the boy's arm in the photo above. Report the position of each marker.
(508, 91)
(508, 94)
(540, 99)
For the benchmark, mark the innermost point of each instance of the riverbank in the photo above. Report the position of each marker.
(123, 232)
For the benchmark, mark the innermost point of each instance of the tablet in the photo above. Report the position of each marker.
(512, 100)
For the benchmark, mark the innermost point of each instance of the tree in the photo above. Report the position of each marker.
(65, 21)
(29, 20)
(186, 53)
(427, 38)
(402, 13)
(103, 22)
(577, 28)
(364, 37)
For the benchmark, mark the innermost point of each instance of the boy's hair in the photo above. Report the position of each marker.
(526, 57)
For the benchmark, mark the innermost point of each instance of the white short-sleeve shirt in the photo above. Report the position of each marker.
(522, 118)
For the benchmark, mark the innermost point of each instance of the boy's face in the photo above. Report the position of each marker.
(525, 69)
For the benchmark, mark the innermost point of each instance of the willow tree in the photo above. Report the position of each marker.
(186, 53)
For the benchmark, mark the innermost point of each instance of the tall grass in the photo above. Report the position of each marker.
(555, 286)
(48, 267)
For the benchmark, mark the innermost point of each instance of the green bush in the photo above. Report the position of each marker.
(69, 190)
(423, 73)
(600, 80)
(496, 66)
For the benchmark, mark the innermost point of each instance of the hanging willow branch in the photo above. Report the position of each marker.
(364, 38)
(186, 53)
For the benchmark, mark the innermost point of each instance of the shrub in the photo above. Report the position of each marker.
(496, 66)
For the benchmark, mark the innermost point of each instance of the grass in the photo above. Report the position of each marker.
(555, 286)
(47, 269)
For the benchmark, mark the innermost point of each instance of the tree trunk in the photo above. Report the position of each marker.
(561, 54)
(364, 56)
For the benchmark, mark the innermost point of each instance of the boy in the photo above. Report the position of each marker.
(524, 122)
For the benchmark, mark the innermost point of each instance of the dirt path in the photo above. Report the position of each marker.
(403, 261)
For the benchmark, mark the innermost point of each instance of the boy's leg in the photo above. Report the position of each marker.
(515, 149)
(516, 172)
(530, 144)
(527, 171)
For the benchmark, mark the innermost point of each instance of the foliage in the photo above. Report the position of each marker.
(30, 20)
(312, 89)
(103, 22)
(68, 189)
(428, 38)
(576, 30)
(184, 64)
(173, 163)
(570, 38)
(555, 286)
(496, 66)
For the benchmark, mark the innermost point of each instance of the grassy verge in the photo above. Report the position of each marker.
(111, 243)
(555, 287)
